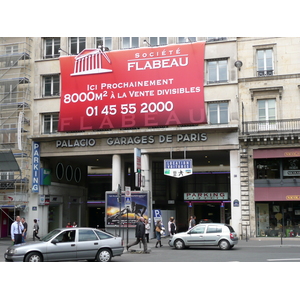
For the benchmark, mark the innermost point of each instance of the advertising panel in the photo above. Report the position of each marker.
(143, 87)
(138, 208)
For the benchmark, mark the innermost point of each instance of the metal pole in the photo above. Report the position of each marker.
(120, 219)
(127, 228)
(282, 225)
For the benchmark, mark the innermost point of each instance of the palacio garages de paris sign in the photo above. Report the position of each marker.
(144, 87)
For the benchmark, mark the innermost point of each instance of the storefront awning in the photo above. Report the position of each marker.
(8, 162)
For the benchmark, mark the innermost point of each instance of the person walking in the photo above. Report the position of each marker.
(192, 222)
(36, 228)
(16, 231)
(172, 228)
(147, 230)
(139, 234)
(158, 230)
(24, 233)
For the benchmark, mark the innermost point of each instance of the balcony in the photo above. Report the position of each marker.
(290, 126)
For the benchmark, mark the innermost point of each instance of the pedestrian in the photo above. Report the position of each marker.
(36, 229)
(69, 225)
(24, 233)
(139, 234)
(169, 225)
(147, 230)
(191, 222)
(158, 230)
(172, 228)
(16, 231)
(74, 224)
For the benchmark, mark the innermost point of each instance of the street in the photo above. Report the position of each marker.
(253, 250)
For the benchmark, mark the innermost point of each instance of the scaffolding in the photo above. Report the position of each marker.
(15, 113)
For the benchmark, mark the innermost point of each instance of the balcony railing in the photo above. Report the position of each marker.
(276, 126)
(265, 73)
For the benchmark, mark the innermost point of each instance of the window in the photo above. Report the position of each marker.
(266, 110)
(267, 168)
(186, 39)
(51, 46)
(291, 167)
(217, 71)
(265, 65)
(130, 42)
(77, 44)
(197, 230)
(9, 133)
(277, 168)
(214, 229)
(66, 236)
(105, 42)
(50, 85)
(8, 93)
(86, 235)
(50, 123)
(6, 175)
(218, 113)
(11, 49)
(157, 41)
(102, 235)
(11, 60)
(216, 39)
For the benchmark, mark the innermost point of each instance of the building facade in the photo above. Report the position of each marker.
(67, 171)
(269, 135)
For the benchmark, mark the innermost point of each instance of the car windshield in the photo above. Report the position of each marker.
(50, 235)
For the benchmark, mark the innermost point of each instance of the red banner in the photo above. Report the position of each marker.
(144, 87)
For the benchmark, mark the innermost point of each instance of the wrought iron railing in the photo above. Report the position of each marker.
(276, 126)
(265, 73)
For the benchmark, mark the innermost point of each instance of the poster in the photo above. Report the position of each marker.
(138, 208)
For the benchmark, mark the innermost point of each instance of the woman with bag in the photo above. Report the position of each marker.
(158, 230)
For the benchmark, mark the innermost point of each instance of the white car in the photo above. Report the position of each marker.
(206, 234)
(80, 243)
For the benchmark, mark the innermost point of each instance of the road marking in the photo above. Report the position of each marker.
(278, 259)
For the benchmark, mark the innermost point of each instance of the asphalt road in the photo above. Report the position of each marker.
(253, 250)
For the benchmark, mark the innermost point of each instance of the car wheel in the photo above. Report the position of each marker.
(34, 257)
(179, 244)
(224, 245)
(104, 255)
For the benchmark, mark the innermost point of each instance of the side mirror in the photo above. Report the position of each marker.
(54, 241)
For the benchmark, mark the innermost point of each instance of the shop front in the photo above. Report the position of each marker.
(277, 192)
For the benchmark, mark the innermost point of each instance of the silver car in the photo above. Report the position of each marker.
(206, 234)
(63, 244)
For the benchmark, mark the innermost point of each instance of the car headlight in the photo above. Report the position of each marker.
(11, 251)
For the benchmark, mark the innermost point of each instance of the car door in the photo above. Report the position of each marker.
(195, 237)
(64, 247)
(213, 234)
(88, 244)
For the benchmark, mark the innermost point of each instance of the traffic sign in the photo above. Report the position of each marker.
(178, 167)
